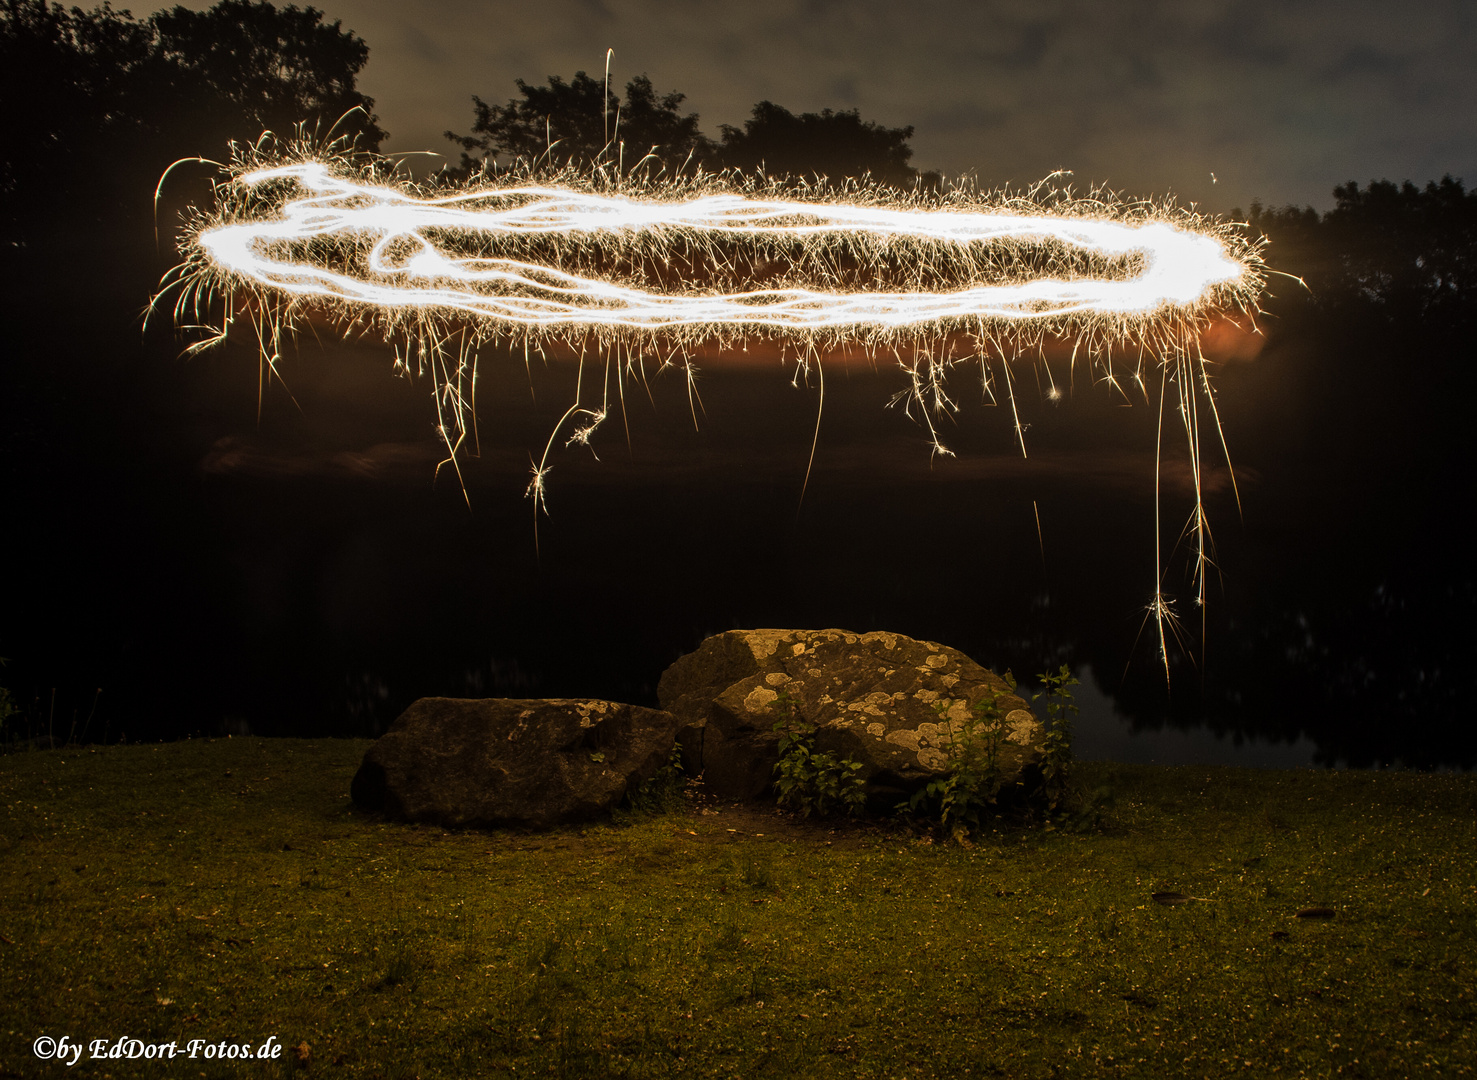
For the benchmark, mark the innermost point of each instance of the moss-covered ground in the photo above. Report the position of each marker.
(227, 891)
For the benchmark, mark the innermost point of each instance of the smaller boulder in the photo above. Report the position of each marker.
(491, 762)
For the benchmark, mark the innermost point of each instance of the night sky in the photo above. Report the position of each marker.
(1279, 101)
(295, 563)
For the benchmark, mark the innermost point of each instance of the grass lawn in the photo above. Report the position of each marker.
(226, 891)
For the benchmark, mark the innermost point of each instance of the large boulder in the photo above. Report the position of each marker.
(893, 703)
(491, 762)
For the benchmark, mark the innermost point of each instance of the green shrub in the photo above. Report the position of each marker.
(810, 781)
(1056, 758)
(959, 801)
(662, 793)
(7, 703)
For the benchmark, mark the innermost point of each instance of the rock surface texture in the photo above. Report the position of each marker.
(491, 762)
(891, 702)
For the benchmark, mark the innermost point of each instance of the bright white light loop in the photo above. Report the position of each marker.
(1179, 266)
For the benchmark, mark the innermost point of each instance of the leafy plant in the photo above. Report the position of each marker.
(959, 801)
(662, 793)
(1056, 758)
(810, 781)
(7, 704)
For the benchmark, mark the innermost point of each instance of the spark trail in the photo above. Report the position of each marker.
(640, 267)
(406, 266)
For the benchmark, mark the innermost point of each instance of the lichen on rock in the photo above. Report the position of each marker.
(894, 703)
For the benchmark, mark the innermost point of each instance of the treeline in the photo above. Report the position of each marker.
(1386, 256)
(585, 121)
(98, 103)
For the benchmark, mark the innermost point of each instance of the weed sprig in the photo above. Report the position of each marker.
(811, 781)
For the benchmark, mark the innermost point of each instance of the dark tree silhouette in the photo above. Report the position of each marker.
(574, 121)
(250, 67)
(97, 103)
(1405, 254)
(65, 92)
(828, 143)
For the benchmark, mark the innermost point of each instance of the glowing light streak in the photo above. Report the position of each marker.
(1179, 266)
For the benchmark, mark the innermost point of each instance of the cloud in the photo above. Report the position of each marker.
(1281, 101)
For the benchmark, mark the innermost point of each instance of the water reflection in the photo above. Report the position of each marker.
(306, 576)
(1105, 734)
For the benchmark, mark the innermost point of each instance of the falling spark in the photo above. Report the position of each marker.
(638, 266)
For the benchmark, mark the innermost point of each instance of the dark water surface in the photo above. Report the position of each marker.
(304, 575)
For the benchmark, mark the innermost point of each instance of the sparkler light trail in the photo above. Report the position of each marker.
(405, 266)
(641, 267)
